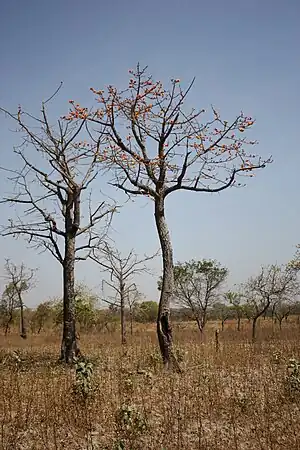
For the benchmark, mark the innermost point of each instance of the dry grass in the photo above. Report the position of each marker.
(233, 399)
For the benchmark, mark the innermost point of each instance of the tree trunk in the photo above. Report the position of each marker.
(199, 325)
(254, 321)
(222, 323)
(280, 322)
(23, 333)
(239, 324)
(123, 324)
(69, 348)
(131, 322)
(164, 329)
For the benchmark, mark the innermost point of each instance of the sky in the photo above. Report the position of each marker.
(244, 55)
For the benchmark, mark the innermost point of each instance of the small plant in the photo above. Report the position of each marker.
(131, 424)
(292, 381)
(83, 378)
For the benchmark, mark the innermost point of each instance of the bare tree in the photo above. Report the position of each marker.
(20, 280)
(133, 299)
(272, 283)
(155, 148)
(56, 168)
(122, 270)
(283, 308)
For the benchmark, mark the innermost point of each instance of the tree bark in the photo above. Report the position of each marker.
(239, 324)
(164, 329)
(254, 321)
(123, 324)
(131, 322)
(69, 347)
(23, 333)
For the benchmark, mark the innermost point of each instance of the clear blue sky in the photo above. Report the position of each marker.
(245, 55)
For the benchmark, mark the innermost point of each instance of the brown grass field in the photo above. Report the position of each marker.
(231, 399)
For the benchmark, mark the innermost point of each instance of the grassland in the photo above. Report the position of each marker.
(231, 399)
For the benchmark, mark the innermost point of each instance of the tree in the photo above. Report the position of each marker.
(121, 270)
(272, 283)
(57, 167)
(146, 312)
(235, 299)
(8, 306)
(133, 299)
(20, 280)
(155, 147)
(85, 307)
(41, 315)
(197, 287)
(282, 310)
(223, 312)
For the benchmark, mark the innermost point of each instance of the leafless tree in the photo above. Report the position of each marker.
(56, 167)
(133, 299)
(121, 270)
(272, 283)
(19, 281)
(155, 147)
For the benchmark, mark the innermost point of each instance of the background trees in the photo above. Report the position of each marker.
(197, 287)
(121, 271)
(56, 167)
(270, 285)
(20, 280)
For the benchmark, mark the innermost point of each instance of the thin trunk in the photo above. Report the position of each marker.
(239, 324)
(164, 329)
(23, 333)
(9, 321)
(223, 322)
(123, 324)
(280, 322)
(69, 348)
(131, 322)
(254, 321)
(199, 324)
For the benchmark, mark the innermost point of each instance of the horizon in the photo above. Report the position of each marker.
(243, 59)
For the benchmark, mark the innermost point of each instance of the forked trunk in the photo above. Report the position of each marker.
(69, 348)
(164, 329)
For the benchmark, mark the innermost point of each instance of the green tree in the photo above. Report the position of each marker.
(42, 314)
(235, 299)
(20, 280)
(85, 307)
(146, 312)
(197, 287)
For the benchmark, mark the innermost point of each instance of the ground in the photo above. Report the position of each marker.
(235, 398)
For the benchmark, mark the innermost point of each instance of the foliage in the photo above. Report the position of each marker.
(292, 381)
(83, 379)
(85, 307)
(197, 286)
(146, 311)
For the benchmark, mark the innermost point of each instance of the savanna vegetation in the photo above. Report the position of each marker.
(106, 369)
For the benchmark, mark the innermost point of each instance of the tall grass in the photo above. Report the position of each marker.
(235, 398)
